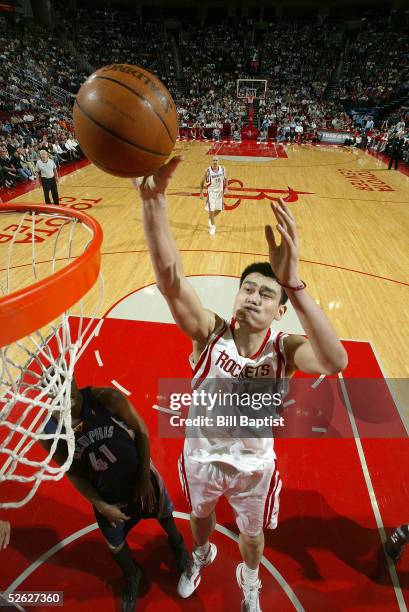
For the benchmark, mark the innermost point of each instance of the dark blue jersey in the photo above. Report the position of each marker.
(105, 451)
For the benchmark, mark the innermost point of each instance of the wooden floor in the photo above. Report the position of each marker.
(353, 221)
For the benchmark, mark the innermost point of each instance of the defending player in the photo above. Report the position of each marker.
(215, 180)
(246, 476)
(112, 469)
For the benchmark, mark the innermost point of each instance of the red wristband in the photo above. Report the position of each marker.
(298, 288)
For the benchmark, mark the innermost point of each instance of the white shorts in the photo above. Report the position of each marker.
(214, 201)
(254, 496)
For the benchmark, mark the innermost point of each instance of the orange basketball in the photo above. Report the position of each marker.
(125, 120)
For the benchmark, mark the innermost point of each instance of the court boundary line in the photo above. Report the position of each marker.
(371, 493)
(273, 571)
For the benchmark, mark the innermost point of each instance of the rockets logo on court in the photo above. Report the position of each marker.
(237, 192)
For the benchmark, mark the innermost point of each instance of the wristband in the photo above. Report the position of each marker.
(298, 288)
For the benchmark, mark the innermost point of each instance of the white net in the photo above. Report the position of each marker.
(36, 371)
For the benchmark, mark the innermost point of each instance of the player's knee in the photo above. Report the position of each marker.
(198, 519)
(252, 541)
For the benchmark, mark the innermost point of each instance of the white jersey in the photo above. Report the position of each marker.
(219, 365)
(215, 179)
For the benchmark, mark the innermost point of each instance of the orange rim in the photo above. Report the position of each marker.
(29, 309)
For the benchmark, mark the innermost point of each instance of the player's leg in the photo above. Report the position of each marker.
(255, 500)
(202, 529)
(176, 542)
(115, 537)
(164, 515)
(203, 486)
(251, 549)
(396, 542)
(210, 207)
(132, 573)
(217, 207)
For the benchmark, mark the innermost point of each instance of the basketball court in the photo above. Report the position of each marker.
(341, 491)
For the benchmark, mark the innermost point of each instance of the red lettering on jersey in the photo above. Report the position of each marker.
(222, 358)
(236, 370)
(227, 367)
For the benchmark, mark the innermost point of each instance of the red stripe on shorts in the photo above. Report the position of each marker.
(273, 499)
(271, 490)
(186, 487)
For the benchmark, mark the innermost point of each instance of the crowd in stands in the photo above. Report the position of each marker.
(36, 78)
(376, 63)
(21, 143)
(311, 70)
(300, 58)
(123, 38)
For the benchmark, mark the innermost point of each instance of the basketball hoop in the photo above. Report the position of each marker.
(40, 340)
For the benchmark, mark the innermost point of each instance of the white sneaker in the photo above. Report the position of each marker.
(190, 579)
(212, 230)
(251, 601)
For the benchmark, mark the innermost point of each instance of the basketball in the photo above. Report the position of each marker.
(125, 120)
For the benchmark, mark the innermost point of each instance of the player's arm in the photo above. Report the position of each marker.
(122, 408)
(74, 473)
(203, 183)
(185, 306)
(323, 352)
(112, 512)
(83, 486)
(80, 482)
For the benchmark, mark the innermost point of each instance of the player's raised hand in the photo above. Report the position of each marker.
(156, 184)
(284, 257)
(5, 531)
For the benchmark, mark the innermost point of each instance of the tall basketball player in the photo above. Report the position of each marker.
(215, 180)
(246, 475)
(113, 471)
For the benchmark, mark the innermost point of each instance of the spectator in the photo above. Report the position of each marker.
(10, 175)
(17, 163)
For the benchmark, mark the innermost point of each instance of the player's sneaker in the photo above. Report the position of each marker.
(394, 545)
(212, 230)
(251, 592)
(130, 592)
(190, 579)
